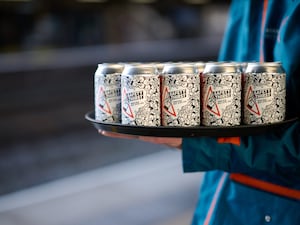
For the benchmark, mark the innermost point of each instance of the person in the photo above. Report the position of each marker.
(251, 179)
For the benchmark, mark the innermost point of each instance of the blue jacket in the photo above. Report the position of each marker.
(254, 179)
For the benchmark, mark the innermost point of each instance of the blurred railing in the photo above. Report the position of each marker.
(164, 50)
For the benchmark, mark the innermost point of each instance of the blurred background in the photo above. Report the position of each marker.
(54, 166)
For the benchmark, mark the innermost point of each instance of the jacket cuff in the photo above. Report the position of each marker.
(205, 154)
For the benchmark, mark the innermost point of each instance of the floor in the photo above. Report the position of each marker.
(144, 190)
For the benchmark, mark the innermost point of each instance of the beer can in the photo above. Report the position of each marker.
(221, 88)
(200, 67)
(159, 66)
(180, 95)
(107, 83)
(264, 93)
(140, 95)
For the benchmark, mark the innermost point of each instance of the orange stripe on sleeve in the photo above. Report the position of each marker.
(230, 140)
(265, 186)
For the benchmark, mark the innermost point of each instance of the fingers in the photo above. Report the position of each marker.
(171, 142)
(117, 135)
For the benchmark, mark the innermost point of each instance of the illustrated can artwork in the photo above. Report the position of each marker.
(221, 88)
(180, 95)
(264, 93)
(107, 81)
(140, 95)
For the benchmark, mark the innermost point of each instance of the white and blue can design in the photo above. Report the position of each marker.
(180, 95)
(264, 93)
(221, 87)
(107, 84)
(140, 93)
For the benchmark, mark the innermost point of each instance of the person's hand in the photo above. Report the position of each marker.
(169, 141)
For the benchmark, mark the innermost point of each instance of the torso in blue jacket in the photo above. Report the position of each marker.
(255, 179)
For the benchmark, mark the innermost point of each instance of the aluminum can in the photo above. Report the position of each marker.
(200, 66)
(244, 67)
(140, 95)
(221, 87)
(107, 85)
(180, 95)
(264, 93)
(160, 66)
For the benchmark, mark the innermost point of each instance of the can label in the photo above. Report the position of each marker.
(181, 100)
(140, 100)
(221, 99)
(108, 98)
(264, 98)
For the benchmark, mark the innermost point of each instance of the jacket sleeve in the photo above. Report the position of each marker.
(276, 152)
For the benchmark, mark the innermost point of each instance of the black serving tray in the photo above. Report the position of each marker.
(197, 131)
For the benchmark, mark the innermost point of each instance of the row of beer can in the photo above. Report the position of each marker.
(190, 93)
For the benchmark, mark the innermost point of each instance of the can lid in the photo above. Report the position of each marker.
(221, 67)
(200, 66)
(140, 69)
(263, 67)
(160, 66)
(109, 68)
(179, 68)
